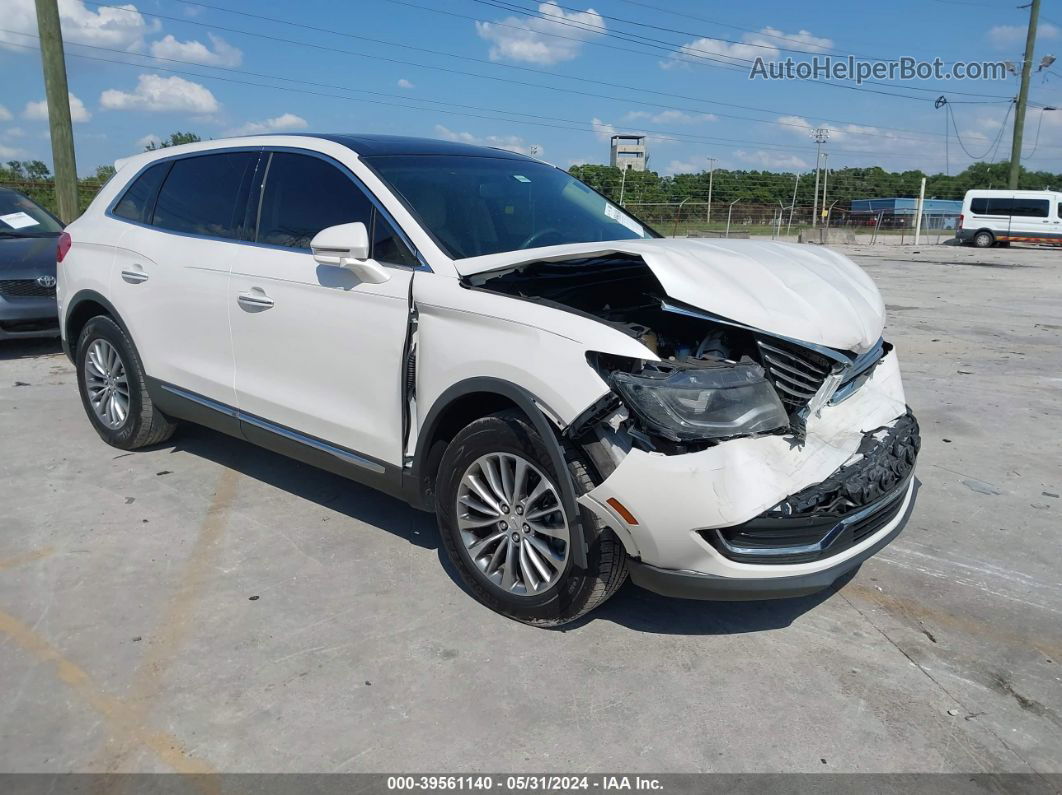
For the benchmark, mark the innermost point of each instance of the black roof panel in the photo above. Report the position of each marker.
(379, 145)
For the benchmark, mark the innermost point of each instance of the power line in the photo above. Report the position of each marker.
(512, 81)
(500, 115)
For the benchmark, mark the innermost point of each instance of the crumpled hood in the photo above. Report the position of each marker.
(805, 292)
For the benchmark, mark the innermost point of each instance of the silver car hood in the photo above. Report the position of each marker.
(805, 292)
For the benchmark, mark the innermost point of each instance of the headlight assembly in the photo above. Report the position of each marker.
(707, 401)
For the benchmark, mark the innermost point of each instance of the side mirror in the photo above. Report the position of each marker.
(347, 246)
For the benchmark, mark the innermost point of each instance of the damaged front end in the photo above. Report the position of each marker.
(733, 462)
(705, 379)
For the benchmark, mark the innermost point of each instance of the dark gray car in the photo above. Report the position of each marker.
(28, 235)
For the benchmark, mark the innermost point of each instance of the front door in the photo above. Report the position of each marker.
(317, 351)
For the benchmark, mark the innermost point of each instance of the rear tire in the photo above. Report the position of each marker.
(984, 239)
(508, 436)
(110, 378)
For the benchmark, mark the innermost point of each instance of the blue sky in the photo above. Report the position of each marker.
(559, 77)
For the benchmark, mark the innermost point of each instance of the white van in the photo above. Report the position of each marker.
(1005, 216)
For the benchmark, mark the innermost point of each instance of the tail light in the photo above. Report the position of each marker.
(63, 246)
(960, 221)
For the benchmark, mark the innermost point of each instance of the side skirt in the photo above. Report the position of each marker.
(185, 405)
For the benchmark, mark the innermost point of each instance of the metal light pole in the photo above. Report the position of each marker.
(729, 212)
(58, 98)
(711, 178)
(623, 184)
(792, 206)
(1023, 96)
(825, 177)
(821, 136)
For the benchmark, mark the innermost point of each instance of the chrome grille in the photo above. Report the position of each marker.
(25, 288)
(796, 375)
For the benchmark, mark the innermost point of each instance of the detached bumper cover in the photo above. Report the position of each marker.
(697, 585)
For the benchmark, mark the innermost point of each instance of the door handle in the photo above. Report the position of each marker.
(254, 299)
(134, 276)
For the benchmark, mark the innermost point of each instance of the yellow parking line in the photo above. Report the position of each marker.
(25, 557)
(121, 718)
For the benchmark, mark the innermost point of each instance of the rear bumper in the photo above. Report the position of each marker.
(697, 585)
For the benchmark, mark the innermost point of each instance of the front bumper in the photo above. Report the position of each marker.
(21, 318)
(696, 585)
(678, 500)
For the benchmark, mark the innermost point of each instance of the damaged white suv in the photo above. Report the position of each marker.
(487, 338)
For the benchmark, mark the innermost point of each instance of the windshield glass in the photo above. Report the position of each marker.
(482, 205)
(20, 217)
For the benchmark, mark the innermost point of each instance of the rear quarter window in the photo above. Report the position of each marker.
(138, 201)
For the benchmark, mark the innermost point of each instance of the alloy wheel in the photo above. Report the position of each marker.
(107, 384)
(512, 524)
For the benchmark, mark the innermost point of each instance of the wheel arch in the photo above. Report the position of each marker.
(470, 400)
(80, 309)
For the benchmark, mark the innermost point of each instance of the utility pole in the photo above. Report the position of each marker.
(711, 178)
(821, 136)
(1023, 95)
(58, 97)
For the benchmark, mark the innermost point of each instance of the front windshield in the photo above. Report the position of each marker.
(483, 205)
(20, 217)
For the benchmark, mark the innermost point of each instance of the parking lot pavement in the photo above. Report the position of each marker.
(210, 606)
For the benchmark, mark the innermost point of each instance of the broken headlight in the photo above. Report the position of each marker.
(709, 401)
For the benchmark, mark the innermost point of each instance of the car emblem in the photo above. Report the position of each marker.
(46, 281)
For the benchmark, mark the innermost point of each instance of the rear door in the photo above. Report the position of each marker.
(171, 280)
(318, 352)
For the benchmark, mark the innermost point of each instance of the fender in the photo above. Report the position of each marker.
(80, 297)
(527, 402)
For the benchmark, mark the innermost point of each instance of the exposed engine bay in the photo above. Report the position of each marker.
(715, 379)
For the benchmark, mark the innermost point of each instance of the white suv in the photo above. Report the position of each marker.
(485, 337)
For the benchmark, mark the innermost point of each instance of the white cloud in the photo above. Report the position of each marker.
(157, 93)
(764, 44)
(283, 123)
(513, 143)
(1009, 37)
(670, 117)
(5, 114)
(603, 130)
(773, 160)
(14, 132)
(38, 111)
(529, 38)
(685, 167)
(149, 140)
(118, 27)
(403, 83)
(9, 151)
(223, 54)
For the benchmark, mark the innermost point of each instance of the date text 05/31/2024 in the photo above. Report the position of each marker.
(545, 783)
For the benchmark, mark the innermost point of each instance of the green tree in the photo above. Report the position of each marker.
(175, 139)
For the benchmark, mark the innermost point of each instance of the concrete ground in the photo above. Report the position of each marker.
(210, 606)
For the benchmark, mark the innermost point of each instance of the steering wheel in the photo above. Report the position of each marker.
(534, 237)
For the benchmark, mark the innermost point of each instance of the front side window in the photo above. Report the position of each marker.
(138, 201)
(204, 195)
(484, 205)
(302, 196)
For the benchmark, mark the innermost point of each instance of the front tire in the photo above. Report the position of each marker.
(497, 472)
(110, 378)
